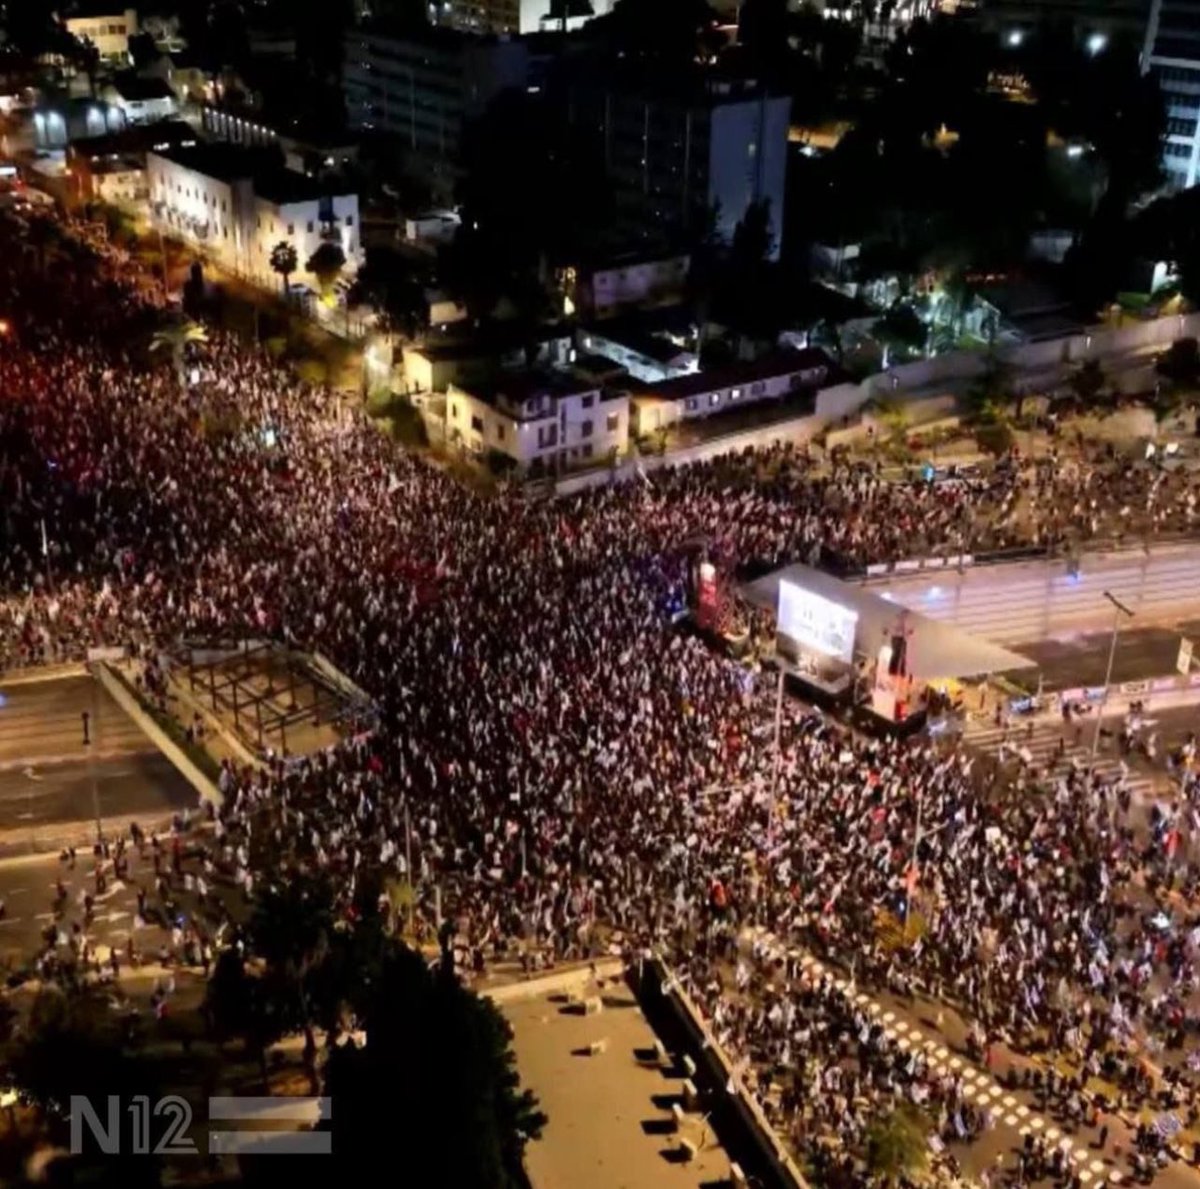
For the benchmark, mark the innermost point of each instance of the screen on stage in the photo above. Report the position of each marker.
(817, 623)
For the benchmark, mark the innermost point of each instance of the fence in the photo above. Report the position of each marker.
(842, 401)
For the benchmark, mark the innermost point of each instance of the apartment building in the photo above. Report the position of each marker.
(682, 154)
(549, 421)
(423, 86)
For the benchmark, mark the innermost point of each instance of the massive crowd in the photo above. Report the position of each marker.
(561, 765)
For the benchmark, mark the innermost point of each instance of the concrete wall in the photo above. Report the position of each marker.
(797, 431)
(120, 694)
(716, 1072)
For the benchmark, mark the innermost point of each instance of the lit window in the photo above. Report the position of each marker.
(714, 398)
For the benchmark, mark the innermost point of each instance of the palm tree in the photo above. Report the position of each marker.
(284, 261)
(174, 338)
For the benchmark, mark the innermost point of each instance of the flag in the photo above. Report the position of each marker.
(910, 879)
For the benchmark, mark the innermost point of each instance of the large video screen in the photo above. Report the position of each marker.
(817, 623)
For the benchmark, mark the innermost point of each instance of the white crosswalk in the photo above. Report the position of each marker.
(1040, 749)
(977, 1084)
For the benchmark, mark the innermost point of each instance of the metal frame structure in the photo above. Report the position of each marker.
(228, 684)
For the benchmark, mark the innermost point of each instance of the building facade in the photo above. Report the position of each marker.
(229, 204)
(142, 100)
(720, 390)
(109, 33)
(550, 421)
(422, 87)
(1172, 52)
(682, 159)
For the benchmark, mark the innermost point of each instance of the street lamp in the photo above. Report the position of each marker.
(1119, 610)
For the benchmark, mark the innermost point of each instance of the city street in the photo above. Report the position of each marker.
(46, 773)
(1069, 659)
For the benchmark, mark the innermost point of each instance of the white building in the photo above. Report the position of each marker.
(142, 100)
(645, 356)
(109, 33)
(548, 421)
(720, 390)
(227, 201)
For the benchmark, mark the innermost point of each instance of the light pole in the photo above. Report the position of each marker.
(778, 756)
(1119, 610)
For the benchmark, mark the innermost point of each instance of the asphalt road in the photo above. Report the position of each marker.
(1071, 659)
(27, 889)
(46, 772)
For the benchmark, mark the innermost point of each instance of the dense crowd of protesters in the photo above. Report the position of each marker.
(560, 765)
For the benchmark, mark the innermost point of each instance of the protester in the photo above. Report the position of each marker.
(564, 770)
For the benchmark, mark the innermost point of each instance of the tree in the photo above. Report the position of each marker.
(326, 264)
(174, 339)
(900, 328)
(237, 1007)
(898, 1144)
(1180, 363)
(43, 234)
(438, 1062)
(284, 261)
(388, 283)
(290, 930)
(990, 393)
(1087, 381)
(72, 1044)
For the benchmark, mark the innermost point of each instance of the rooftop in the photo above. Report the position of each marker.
(435, 37)
(778, 363)
(135, 89)
(599, 1106)
(510, 390)
(235, 163)
(97, 8)
(493, 340)
(137, 138)
(656, 347)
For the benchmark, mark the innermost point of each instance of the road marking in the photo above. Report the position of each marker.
(1022, 1111)
(1052, 1133)
(1010, 1121)
(888, 1017)
(1036, 1123)
(1097, 1166)
(1084, 1175)
(11, 921)
(1009, 1100)
(43, 916)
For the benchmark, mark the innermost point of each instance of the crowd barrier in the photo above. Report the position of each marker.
(745, 1131)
